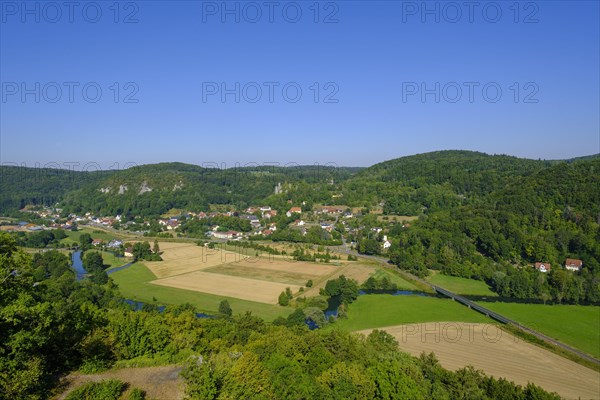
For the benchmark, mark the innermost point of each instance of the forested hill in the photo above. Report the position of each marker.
(465, 171)
(412, 185)
(21, 186)
(546, 216)
(155, 188)
(440, 180)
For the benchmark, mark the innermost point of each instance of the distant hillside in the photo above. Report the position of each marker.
(465, 171)
(407, 185)
(21, 186)
(547, 216)
(155, 188)
(437, 180)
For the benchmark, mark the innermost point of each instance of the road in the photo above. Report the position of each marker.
(500, 318)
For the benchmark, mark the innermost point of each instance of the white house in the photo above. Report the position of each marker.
(386, 243)
(226, 235)
(542, 267)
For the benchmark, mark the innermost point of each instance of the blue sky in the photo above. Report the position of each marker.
(371, 63)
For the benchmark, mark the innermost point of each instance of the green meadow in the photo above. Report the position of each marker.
(461, 285)
(380, 310)
(402, 283)
(577, 326)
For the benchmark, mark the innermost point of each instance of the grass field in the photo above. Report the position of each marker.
(374, 311)
(401, 283)
(578, 326)
(461, 285)
(497, 353)
(112, 261)
(134, 283)
(95, 233)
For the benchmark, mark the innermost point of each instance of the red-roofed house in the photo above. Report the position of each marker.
(542, 267)
(331, 209)
(573, 264)
(293, 210)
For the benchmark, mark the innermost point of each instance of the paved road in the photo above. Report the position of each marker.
(344, 249)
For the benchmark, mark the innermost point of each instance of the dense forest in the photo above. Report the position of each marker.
(51, 324)
(546, 216)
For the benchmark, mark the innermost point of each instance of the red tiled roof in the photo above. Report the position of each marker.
(573, 262)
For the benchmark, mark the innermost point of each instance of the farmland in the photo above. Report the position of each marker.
(578, 326)
(134, 283)
(497, 353)
(203, 276)
(460, 285)
(228, 286)
(373, 311)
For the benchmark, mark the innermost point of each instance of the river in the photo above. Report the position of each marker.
(77, 265)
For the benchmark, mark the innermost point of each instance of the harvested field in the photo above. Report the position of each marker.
(157, 382)
(294, 267)
(240, 275)
(229, 286)
(252, 272)
(181, 258)
(499, 354)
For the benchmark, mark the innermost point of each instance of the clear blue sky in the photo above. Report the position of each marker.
(376, 56)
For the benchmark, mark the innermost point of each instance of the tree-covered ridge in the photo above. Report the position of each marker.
(466, 171)
(22, 186)
(548, 216)
(407, 185)
(438, 180)
(150, 190)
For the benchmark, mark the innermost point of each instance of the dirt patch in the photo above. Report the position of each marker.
(497, 353)
(229, 286)
(158, 382)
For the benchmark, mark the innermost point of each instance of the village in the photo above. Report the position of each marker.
(339, 225)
